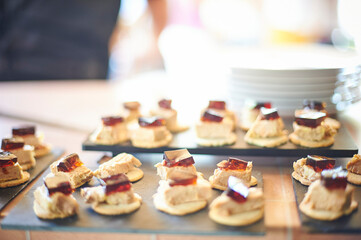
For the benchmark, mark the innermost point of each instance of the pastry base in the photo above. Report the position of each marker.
(301, 179)
(180, 209)
(156, 144)
(106, 209)
(15, 182)
(326, 215)
(311, 144)
(223, 188)
(354, 178)
(42, 151)
(135, 174)
(333, 123)
(217, 142)
(240, 219)
(267, 142)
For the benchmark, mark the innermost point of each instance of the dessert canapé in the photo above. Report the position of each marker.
(73, 169)
(267, 130)
(330, 197)
(114, 197)
(24, 153)
(232, 167)
(54, 199)
(112, 130)
(307, 170)
(238, 205)
(221, 108)
(131, 111)
(11, 173)
(354, 170)
(250, 113)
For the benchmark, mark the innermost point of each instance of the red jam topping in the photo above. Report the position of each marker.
(182, 178)
(237, 190)
(7, 159)
(269, 114)
(111, 121)
(23, 130)
(131, 105)
(165, 103)
(334, 178)
(12, 143)
(151, 122)
(116, 183)
(310, 119)
(319, 163)
(63, 187)
(233, 164)
(69, 163)
(177, 158)
(314, 105)
(260, 105)
(219, 105)
(211, 116)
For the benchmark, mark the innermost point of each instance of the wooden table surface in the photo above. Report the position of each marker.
(66, 111)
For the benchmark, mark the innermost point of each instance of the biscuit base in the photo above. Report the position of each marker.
(42, 151)
(325, 215)
(301, 179)
(15, 182)
(217, 142)
(107, 209)
(266, 142)
(354, 178)
(223, 188)
(156, 144)
(333, 123)
(179, 209)
(240, 219)
(135, 174)
(44, 214)
(311, 144)
(26, 166)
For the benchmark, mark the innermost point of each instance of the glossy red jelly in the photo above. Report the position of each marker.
(180, 163)
(131, 105)
(269, 114)
(260, 105)
(116, 183)
(11, 144)
(310, 119)
(237, 190)
(334, 179)
(23, 130)
(233, 164)
(69, 163)
(63, 187)
(211, 116)
(319, 163)
(314, 105)
(165, 103)
(151, 122)
(219, 105)
(111, 121)
(7, 159)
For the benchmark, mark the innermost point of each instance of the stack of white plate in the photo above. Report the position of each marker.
(286, 76)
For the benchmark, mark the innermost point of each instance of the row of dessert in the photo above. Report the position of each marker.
(312, 126)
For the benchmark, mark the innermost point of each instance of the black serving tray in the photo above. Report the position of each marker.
(7, 194)
(344, 146)
(147, 219)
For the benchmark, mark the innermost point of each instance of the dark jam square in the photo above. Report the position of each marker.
(23, 130)
(319, 163)
(334, 178)
(179, 157)
(151, 122)
(131, 105)
(259, 105)
(116, 183)
(269, 114)
(112, 120)
(314, 105)
(211, 116)
(183, 178)
(310, 119)
(69, 163)
(63, 187)
(7, 159)
(237, 190)
(233, 164)
(219, 105)
(12, 143)
(165, 103)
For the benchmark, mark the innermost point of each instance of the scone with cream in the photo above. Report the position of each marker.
(221, 108)
(250, 112)
(122, 163)
(28, 133)
(310, 130)
(267, 130)
(151, 133)
(131, 111)
(214, 129)
(73, 169)
(238, 205)
(169, 114)
(232, 167)
(11, 173)
(114, 197)
(330, 197)
(354, 170)
(24, 153)
(53, 199)
(307, 170)
(112, 130)
(182, 193)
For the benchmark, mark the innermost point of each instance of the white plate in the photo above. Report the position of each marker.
(288, 80)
